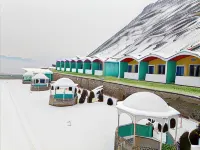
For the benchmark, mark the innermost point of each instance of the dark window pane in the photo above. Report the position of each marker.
(136, 68)
(42, 80)
(129, 68)
(151, 69)
(70, 88)
(191, 70)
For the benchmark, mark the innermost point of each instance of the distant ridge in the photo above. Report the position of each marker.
(15, 58)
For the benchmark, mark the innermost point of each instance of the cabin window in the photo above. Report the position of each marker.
(161, 69)
(90, 66)
(180, 71)
(52, 88)
(129, 68)
(100, 66)
(151, 70)
(70, 88)
(195, 70)
(136, 68)
(42, 80)
(81, 66)
(58, 88)
(36, 81)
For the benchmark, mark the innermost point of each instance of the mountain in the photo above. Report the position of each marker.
(14, 65)
(164, 27)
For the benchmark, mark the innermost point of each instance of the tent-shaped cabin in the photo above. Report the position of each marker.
(67, 65)
(87, 66)
(73, 65)
(79, 65)
(129, 68)
(97, 67)
(185, 68)
(111, 68)
(62, 65)
(63, 93)
(27, 77)
(40, 82)
(153, 68)
(58, 63)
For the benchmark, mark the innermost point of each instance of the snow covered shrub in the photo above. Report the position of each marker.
(110, 101)
(184, 142)
(90, 97)
(83, 96)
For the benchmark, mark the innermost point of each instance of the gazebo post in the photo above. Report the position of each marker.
(134, 131)
(161, 137)
(64, 94)
(176, 130)
(119, 70)
(118, 130)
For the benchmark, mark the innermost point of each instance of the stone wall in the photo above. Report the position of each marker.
(187, 105)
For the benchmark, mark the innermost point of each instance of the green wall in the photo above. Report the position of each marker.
(95, 66)
(67, 65)
(171, 72)
(57, 64)
(50, 76)
(62, 64)
(141, 130)
(27, 78)
(86, 66)
(169, 139)
(111, 69)
(123, 68)
(78, 66)
(66, 96)
(143, 70)
(73, 65)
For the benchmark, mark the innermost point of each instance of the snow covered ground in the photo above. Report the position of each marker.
(29, 123)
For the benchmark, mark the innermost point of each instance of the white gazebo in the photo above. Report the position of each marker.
(145, 105)
(40, 82)
(27, 77)
(63, 93)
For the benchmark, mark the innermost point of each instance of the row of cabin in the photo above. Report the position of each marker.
(182, 68)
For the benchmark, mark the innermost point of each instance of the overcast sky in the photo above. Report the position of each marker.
(51, 29)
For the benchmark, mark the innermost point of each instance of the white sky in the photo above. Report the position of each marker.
(41, 29)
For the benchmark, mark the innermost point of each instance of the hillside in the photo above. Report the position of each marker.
(164, 27)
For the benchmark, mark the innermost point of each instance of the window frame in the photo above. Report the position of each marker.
(164, 70)
(183, 70)
(194, 73)
(131, 68)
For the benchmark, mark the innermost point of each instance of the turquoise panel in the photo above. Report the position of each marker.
(123, 68)
(171, 71)
(39, 85)
(73, 65)
(169, 139)
(95, 66)
(62, 64)
(27, 78)
(141, 130)
(50, 76)
(79, 66)
(111, 69)
(87, 65)
(66, 96)
(57, 64)
(67, 65)
(143, 70)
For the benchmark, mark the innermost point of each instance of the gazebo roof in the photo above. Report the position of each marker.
(64, 82)
(38, 70)
(40, 76)
(147, 104)
(28, 73)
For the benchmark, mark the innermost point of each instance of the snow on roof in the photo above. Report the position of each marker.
(147, 104)
(153, 55)
(40, 76)
(64, 82)
(38, 70)
(185, 52)
(28, 73)
(111, 60)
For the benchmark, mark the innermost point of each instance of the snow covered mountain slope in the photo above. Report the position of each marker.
(164, 27)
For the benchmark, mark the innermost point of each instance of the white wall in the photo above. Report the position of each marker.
(73, 69)
(156, 78)
(62, 69)
(87, 71)
(80, 70)
(187, 80)
(195, 147)
(67, 69)
(98, 72)
(129, 75)
(58, 68)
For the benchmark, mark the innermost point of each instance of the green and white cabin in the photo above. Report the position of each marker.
(27, 77)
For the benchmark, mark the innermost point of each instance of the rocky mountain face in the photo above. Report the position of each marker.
(164, 27)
